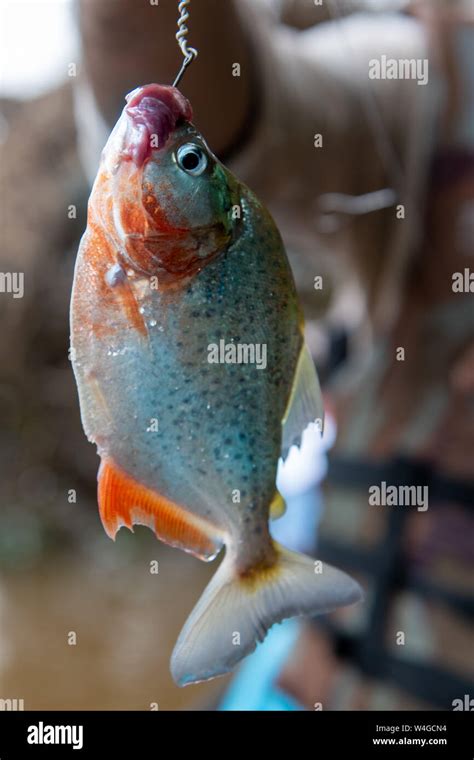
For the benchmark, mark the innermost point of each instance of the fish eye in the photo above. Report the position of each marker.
(192, 159)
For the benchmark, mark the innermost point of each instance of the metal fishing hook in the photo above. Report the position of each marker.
(189, 53)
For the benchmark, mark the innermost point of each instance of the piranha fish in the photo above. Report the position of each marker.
(179, 258)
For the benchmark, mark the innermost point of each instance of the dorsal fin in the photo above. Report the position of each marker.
(305, 404)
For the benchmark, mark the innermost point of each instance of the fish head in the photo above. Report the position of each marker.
(163, 197)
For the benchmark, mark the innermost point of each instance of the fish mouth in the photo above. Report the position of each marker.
(153, 112)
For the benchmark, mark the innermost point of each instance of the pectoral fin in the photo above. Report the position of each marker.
(305, 404)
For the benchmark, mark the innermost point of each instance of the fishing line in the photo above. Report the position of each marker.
(189, 53)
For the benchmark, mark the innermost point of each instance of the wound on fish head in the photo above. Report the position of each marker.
(170, 200)
(153, 112)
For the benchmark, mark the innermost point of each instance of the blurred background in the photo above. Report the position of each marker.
(371, 182)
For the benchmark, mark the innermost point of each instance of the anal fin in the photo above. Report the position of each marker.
(125, 502)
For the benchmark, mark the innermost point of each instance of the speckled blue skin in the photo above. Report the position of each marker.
(219, 425)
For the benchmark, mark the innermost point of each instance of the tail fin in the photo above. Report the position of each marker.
(235, 613)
